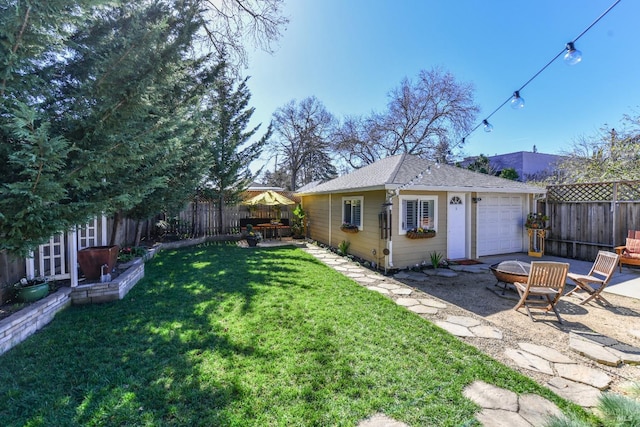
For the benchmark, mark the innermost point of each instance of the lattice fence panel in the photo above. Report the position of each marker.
(628, 191)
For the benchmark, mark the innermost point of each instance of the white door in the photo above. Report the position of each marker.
(456, 226)
(499, 224)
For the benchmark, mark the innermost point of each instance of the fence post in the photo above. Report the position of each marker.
(614, 211)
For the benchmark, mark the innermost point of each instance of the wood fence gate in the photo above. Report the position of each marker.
(586, 218)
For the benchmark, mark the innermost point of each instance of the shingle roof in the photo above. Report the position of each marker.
(395, 171)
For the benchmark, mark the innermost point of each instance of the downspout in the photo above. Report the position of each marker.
(388, 252)
(330, 224)
(614, 211)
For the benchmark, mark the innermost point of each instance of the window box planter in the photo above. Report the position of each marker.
(352, 229)
(427, 234)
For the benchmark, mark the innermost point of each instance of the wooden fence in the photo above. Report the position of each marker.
(199, 218)
(586, 218)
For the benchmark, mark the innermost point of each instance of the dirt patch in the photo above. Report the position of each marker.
(477, 295)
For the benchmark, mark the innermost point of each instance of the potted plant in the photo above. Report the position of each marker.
(252, 237)
(349, 228)
(536, 221)
(420, 233)
(297, 225)
(29, 290)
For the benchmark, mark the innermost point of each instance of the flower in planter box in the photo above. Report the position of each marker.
(420, 232)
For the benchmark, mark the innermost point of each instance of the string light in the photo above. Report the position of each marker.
(572, 56)
(517, 102)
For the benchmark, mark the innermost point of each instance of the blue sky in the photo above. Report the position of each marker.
(351, 53)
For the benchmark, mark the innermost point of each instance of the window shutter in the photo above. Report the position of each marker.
(346, 211)
(410, 213)
(356, 214)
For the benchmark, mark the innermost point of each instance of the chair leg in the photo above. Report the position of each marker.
(553, 307)
(596, 296)
(572, 291)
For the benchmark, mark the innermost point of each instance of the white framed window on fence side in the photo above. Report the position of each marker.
(352, 210)
(418, 211)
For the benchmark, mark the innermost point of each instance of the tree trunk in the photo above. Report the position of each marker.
(194, 217)
(220, 215)
(138, 233)
(117, 224)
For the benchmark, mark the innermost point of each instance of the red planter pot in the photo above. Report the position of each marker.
(93, 258)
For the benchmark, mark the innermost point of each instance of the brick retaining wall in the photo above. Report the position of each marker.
(19, 326)
(93, 293)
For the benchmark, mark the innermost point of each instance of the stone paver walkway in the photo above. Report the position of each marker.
(577, 383)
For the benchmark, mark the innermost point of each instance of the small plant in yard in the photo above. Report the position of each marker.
(343, 247)
(613, 410)
(252, 234)
(436, 259)
(297, 225)
(128, 253)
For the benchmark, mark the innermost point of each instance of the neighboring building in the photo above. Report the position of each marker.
(530, 166)
(473, 214)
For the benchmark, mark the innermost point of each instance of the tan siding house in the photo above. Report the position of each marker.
(472, 214)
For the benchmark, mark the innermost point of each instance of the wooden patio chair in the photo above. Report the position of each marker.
(543, 288)
(601, 272)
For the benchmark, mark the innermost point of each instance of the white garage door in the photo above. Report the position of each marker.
(499, 224)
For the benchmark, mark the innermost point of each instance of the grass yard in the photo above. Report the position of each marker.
(224, 336)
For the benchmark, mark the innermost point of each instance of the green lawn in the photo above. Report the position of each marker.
(223, 336)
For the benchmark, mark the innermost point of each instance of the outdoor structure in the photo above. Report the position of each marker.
(57, 259)
(402, 209)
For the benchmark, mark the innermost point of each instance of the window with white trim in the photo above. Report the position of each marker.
(418, 212)
(352, 210)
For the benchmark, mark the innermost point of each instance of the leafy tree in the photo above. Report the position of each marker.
(481, 164)
(304, 140)
(509, 173)
(423, 117)
(608, 156)
(227, 116)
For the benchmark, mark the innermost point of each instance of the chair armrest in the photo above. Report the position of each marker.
(620, 249)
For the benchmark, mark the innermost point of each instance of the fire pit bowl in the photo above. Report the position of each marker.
(511, 271)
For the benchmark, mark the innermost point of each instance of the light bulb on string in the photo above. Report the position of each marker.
(573, 55)
(488, 127)
(517, 102)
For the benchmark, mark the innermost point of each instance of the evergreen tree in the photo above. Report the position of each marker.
(227, 116)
